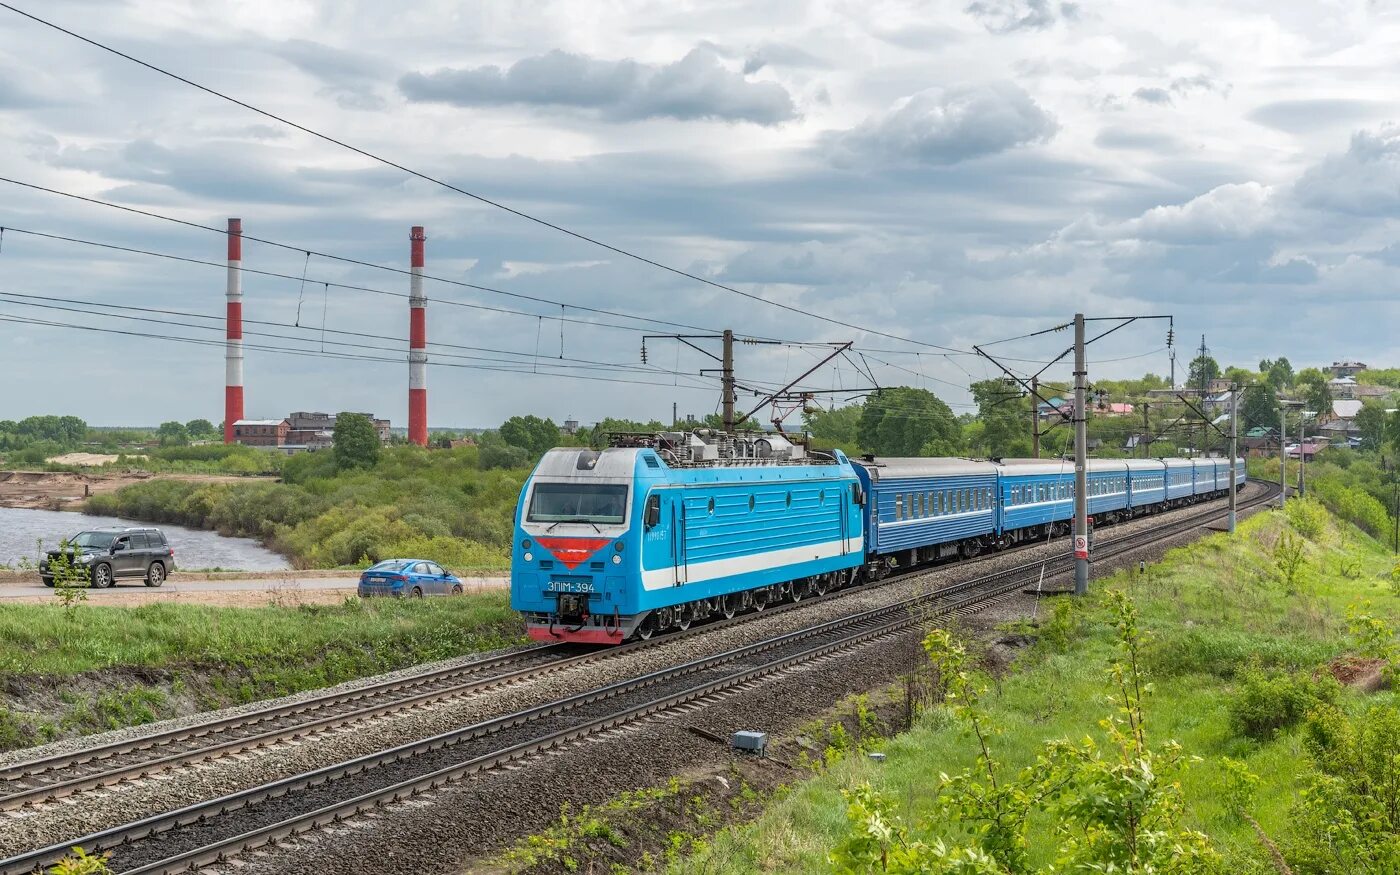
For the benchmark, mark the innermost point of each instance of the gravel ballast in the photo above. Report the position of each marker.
(89, 812)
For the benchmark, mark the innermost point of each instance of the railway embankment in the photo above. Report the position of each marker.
(98, 668)
(1256, 675)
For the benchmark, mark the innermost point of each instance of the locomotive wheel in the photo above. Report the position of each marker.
(795, 592)
(646, 629)
(726, 607)
(759, 603)
(683, 624)
(819, 586)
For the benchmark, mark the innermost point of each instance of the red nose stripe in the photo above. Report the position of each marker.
(573, 551)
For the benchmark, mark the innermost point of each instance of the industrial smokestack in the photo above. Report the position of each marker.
(417, 344)
(233, 353)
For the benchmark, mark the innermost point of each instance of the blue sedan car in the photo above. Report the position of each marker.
(414, 578)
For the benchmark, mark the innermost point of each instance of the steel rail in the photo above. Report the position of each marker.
(30, 771)
(878, 622)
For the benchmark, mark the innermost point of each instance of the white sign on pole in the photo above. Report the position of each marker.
(1081, 547)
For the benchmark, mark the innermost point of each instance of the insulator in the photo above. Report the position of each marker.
(644, 352)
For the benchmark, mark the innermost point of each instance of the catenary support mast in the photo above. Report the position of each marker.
(1081, 491)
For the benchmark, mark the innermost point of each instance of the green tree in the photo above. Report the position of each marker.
(1004, 413)
(530, 433)
(355, 442)
(1317, 395)
(838, 426)
(1374, 425)
(1203, 370)
(1259, 407)
(200, 428)
(904, 421)
(1279, 373)
(172, 434)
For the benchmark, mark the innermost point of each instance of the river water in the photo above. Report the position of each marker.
(194, 548)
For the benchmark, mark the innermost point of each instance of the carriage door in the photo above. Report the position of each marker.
(678, 544)
(843, 510)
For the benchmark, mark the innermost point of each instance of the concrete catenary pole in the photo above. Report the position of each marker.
(1081, 464)
(233, 322)
(417, 343)
(1035, 417)
(1282, 454)
(1234, 450)
(1302, 457)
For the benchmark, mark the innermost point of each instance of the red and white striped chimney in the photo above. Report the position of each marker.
(233, 354)
(417, 343)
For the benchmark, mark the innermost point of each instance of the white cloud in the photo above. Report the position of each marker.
(946, 126)
(1363, 181)
(697, 86)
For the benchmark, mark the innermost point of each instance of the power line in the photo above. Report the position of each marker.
(462, 191)
(341, 258)
(343, 332)
(550, 363)
(7, 317)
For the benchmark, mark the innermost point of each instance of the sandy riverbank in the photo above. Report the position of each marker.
(62, 490)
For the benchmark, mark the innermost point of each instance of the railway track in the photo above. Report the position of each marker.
(211, 831)
(49, 778)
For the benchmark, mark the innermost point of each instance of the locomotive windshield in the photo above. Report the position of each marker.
(578, 503)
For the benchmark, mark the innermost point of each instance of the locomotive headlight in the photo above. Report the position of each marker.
(525, 544)
(529, 557)
(617, 558)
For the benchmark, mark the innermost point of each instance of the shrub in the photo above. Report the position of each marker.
(1266, 703)
(1308, 517)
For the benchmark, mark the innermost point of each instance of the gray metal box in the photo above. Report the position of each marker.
(747, 740)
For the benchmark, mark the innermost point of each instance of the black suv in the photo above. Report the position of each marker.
(112, 554)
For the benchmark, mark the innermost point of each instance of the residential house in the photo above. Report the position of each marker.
(1114, 408)
(1055, 408)
(1347, 369)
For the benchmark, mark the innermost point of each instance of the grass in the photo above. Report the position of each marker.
(1214, 608)
(115, 666)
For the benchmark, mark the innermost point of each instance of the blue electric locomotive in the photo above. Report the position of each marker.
(635, 540)
(667, 530)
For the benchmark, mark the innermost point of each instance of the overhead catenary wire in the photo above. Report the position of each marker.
(578, 235)
(286, 276)
(345, 259)
(312, 353)
(343, 332)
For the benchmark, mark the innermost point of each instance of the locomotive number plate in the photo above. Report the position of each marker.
(569, 586)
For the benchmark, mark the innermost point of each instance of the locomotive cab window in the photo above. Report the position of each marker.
(597, 503)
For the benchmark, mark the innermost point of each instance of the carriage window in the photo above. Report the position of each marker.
(899, 507)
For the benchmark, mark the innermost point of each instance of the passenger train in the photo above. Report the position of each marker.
(666, 530)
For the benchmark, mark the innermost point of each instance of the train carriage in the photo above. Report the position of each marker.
(1035, 493)
(1147, 484)
(1180, 479)
(1202, 476)
(924, 509)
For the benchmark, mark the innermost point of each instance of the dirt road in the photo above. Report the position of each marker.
(239, 593)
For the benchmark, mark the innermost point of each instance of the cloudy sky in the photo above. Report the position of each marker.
(918, 173)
